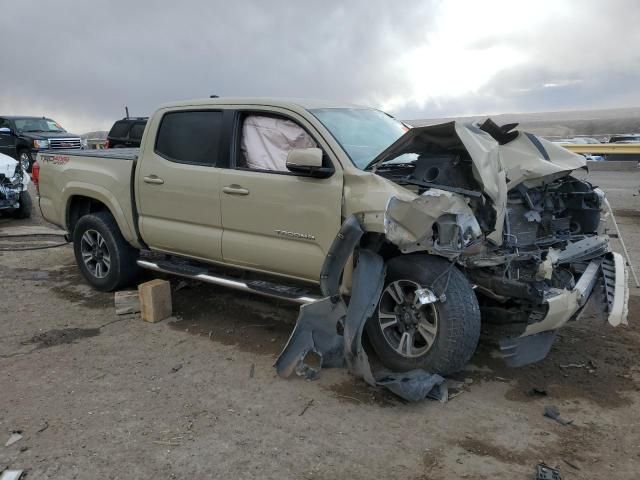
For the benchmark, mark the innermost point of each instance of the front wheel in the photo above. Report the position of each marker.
(438, 336)
(104, 257)
(26, 205)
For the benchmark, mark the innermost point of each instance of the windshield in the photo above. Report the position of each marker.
(362, 132)
(38, 125)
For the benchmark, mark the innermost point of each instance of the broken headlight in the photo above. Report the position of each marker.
(17, 177)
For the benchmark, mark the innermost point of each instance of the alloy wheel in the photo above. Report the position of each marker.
(95, 253)
(409, 326)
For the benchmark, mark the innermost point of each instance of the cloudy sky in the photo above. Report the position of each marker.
(81, 61)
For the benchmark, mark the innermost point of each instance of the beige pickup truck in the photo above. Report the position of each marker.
(477, 224)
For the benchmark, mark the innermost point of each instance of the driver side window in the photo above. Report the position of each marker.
(266, 140)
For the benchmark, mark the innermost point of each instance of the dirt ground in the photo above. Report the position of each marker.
(96, 395)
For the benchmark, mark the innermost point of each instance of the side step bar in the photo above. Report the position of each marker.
(259, 287)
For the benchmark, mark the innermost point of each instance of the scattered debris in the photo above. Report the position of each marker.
(11, 475)
(210, 334)
(552, 412)
(15, 436)
(416, 385)
(537, 392)
(306, 407)
(573, 365)
(252, 370)
(181, 284)
(176, 368)
(572, 465)
(126, 301)
(544, 472)
(349, 398)
(43, 428)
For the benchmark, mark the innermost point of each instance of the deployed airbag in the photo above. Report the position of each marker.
(266, 141)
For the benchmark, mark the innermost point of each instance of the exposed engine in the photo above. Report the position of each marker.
(10, 188)
(504, 207)
(551, 233)
(13, 181)
(557, 212)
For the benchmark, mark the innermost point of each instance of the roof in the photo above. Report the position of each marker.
(21, 117)
(305, 103)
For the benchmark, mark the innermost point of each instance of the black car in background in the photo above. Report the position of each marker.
(625, 138)
(126, 133)
(23, 137)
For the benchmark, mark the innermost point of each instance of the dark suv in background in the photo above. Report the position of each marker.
(126, 133)
(23, 137)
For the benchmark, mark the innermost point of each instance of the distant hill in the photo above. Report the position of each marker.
(567, 124)
(101, 134)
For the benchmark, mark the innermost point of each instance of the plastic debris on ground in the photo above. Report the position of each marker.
(552, 412)
(544, 472)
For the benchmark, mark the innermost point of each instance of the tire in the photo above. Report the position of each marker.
(26, 159)
(25, 208)
(101, 230)
(450, 329)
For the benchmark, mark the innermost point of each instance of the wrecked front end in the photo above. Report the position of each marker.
(504, 207)
(526, 246)
(13, 181)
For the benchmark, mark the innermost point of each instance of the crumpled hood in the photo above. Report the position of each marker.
(8, 169)
(7, 165)
(497, 166)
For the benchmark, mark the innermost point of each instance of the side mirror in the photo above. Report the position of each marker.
(308, 162)
(5, 131)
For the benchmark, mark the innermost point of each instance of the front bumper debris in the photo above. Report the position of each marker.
(604, 282)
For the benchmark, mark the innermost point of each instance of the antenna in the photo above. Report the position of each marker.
(126, 111)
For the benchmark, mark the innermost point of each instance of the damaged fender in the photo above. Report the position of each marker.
(410, 224)
(318, 325)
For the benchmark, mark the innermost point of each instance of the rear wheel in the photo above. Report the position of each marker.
(104, 257)
(412, 328)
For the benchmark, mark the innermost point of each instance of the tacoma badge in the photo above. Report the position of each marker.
(305, 236)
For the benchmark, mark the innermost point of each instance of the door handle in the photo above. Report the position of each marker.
(235, 190)
(154, 180)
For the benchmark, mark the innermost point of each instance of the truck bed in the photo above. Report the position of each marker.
(111, 153)
(105, 176)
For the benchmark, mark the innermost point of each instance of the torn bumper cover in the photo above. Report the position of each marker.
(318, 326)
(604, 281)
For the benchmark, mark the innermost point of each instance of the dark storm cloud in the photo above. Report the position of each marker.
(79, 57)
(81, 62)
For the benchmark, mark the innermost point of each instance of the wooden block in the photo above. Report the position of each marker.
(155, 300)
(126, 301)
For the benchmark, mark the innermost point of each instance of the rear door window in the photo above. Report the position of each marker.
(119, 129)
(136, 131)
(190, 137)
